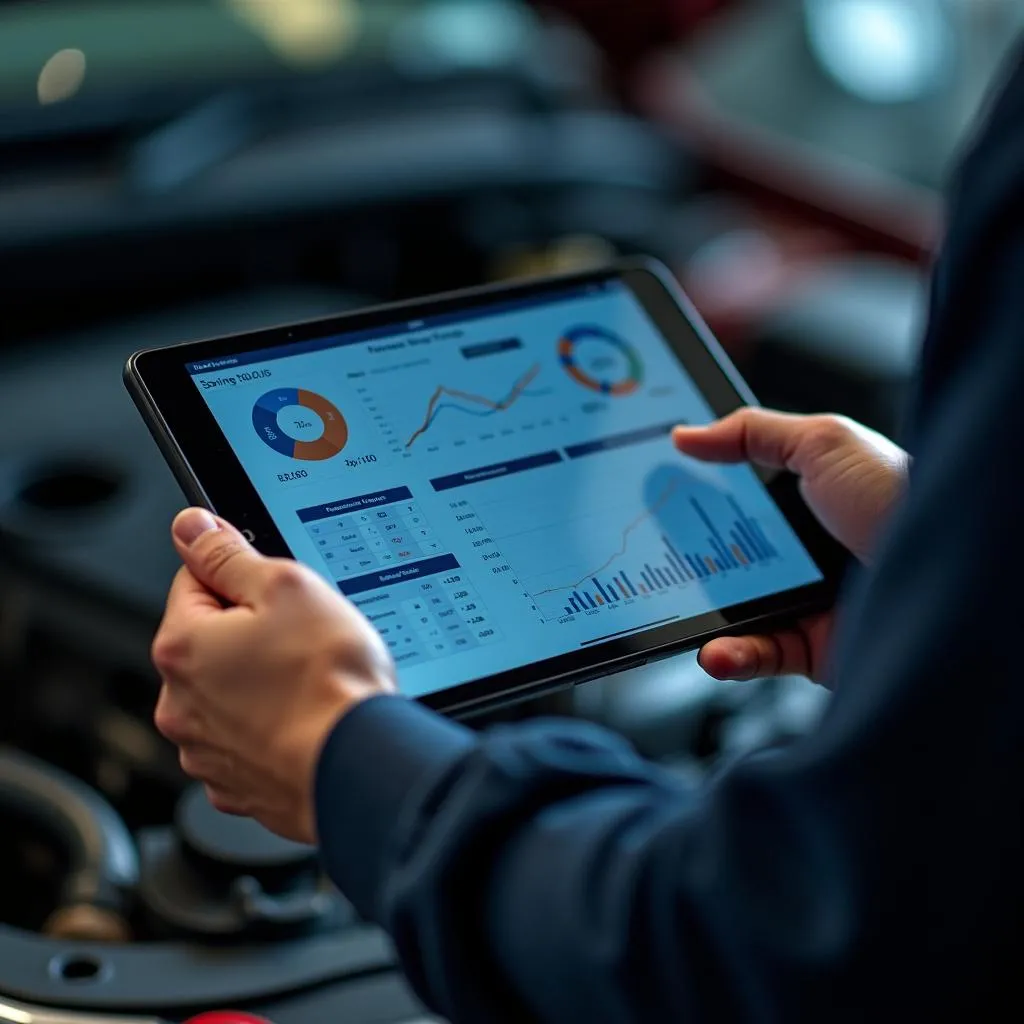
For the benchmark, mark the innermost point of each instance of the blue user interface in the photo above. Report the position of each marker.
(499, 487)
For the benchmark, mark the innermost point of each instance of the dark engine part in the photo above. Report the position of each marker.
(85, 498)
(389, 201)
(172, 978)
(210, 879)
(103, 866)
(212, 875)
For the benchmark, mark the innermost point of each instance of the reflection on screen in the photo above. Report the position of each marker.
(498, 487)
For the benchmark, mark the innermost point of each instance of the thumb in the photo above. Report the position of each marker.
(756, 657)
(218, 555)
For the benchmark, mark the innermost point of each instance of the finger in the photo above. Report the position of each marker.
(173, 716)
(189, 603)
(188, 599)
(218, 556)
(189, 761)
(200, 760)
(770, 439)
(226, 803)
(755, 657)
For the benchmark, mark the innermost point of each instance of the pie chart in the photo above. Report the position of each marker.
(299, 424)
(601, 361)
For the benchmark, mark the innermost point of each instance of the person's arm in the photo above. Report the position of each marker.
(852, 479)
(544, 873)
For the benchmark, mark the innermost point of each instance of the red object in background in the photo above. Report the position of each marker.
(226, 1017)
(629, 30)
(879, 213)
(750, 270)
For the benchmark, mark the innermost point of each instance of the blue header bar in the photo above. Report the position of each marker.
(491, 348)
(497, 469)
(357, 504)
(400, 574)
(395, 331)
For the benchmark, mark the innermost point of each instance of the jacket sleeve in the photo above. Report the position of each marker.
(545, 873)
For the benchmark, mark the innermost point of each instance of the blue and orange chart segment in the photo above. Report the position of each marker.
(299, 424)
(601, 361)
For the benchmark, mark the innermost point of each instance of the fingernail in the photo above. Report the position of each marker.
(687, 430)
(192, 524)
(741, 658)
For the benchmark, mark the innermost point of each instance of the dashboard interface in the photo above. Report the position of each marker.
(497, 487)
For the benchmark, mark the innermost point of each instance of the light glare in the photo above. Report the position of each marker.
(61, 77)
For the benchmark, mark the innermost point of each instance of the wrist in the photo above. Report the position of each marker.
(347, 693)
(304, 747)
(352, 688)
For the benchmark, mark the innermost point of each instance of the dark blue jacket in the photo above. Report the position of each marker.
(873, 872)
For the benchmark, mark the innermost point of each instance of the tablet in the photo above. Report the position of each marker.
(489, 477)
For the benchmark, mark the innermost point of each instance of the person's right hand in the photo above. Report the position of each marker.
(850, 476)
(259, 658)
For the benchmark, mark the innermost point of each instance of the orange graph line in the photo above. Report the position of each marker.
(517, 389)
(663, 498)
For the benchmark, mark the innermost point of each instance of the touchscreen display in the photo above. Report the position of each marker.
(499, 486)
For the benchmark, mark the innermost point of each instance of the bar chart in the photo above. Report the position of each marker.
(665, 532)
(742, 545)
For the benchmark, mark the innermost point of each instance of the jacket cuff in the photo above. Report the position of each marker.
(377, 754)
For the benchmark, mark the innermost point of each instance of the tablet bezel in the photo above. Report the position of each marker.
(211, 475)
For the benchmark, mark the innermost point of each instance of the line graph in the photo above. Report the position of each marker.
(658, 505)
(487, 406)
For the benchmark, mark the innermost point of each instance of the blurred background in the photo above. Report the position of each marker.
(177, 169)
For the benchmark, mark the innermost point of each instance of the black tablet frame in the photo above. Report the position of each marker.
(211, 475)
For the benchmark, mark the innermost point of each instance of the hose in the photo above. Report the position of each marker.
(104, 863)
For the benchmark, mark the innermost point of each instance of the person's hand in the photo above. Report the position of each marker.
(850, 476)
(252, 689)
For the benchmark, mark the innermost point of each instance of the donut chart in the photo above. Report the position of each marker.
(278, 432)
(601, 361)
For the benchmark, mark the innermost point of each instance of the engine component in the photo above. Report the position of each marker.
(104, 865)
(214, 875)
(246, 915)
(83, 492)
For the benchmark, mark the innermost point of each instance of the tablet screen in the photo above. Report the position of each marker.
(497, 487)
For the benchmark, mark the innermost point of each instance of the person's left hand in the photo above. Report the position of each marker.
(252, 690)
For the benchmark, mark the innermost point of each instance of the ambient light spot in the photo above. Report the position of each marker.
(304, 32)
(61, 77)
